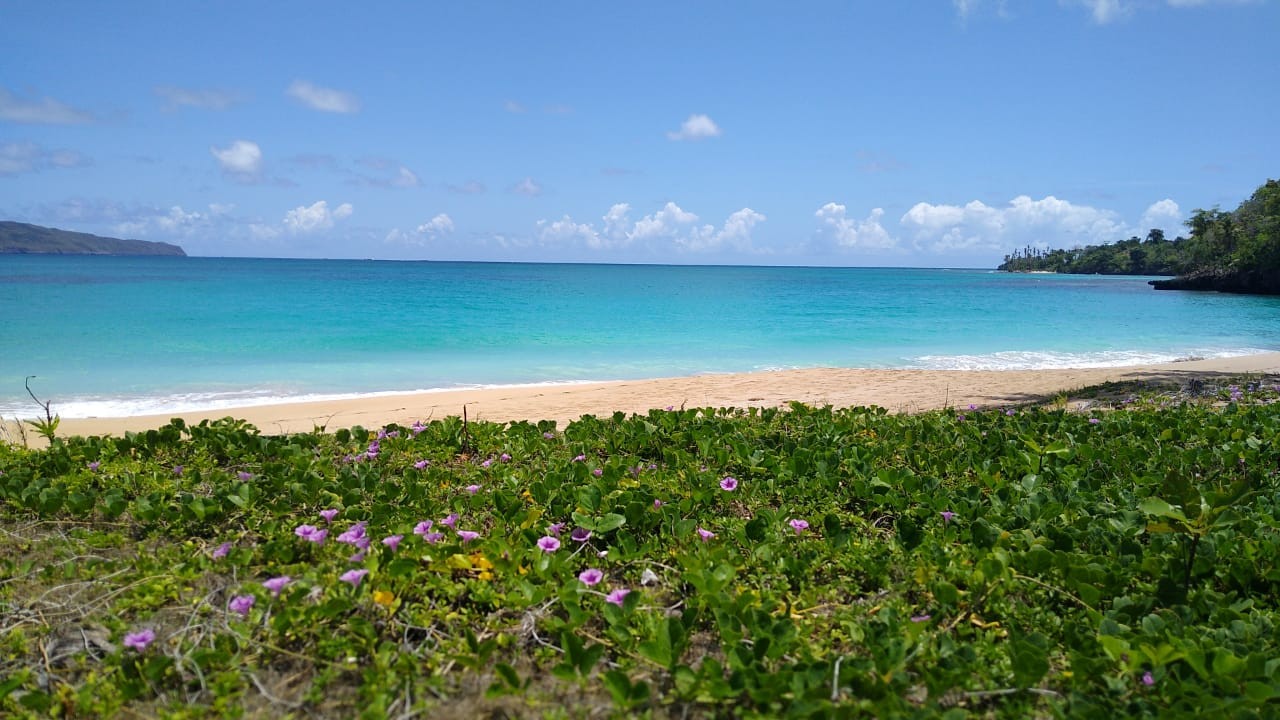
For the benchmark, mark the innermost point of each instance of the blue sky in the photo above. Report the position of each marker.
(905, 133)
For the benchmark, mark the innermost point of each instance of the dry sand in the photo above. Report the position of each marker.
(895, 390)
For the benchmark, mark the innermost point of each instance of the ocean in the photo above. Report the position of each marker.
(114, 336)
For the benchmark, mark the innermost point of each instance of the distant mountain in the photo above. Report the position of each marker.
(21, 238)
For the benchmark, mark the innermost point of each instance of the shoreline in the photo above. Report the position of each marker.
(895, 390)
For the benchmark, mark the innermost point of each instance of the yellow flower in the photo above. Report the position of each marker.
(383, 598)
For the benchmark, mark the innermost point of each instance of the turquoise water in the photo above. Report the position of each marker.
(120, 336)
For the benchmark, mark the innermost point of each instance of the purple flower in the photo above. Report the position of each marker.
(422, 464)
(221, 551)
(1010, 413)
(653, 466)
(548, 544)
(555, 529)
(417, 428)
(433, 538)
(504, 457)
(422, 528)
(244, 476)
(177, 470)
(670, 408)
(920, 618)
(276, 584)
(580, 535)
(657, 503)
(972, 406)
(960, 418)
(617, 596)
(392, 541)
(548, 436)
(94, 467)
(357, 557)
(354, 534)
(450, 521)
(318, 536)
(353, 576)
(329, 514)
(486, 463)
(241, 605)
(305, 531)
(1148, 679)
(139, 640)
(705, 534)
(729, 484)
(597, 472)
(590, 576)
(580, 458)
(1094, 421)
(472, 489)
(468, 535)
(947, 515)
(798, 525)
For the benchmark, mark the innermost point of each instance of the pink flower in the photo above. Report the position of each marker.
(580, 458)
(422, 464)
(657, 503)
(329, 514)
(450, 521)
(468, 535)
(729, 484)
(504, 457)
(548, 544)
(353, 576)
(422, 528)
(1148, 679)
(472, 489)
(590, 576)
(139, 640)
(276, 584)
(241, 605)
(392, 541)
(221, 551)
(597, 472)
(798, 525)
(617, 596)
(705, 534)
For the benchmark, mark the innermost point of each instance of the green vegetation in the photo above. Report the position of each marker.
(1153, 256)
(1230, 251)
(22, 238)
(807, 562)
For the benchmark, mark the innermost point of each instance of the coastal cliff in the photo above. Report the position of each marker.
(24, 239)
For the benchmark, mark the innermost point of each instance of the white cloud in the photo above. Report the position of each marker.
(389, 174)
(1048, 221)
(470, 187)
(174, 223)
(304, 219)
(671, 226)
(322, 98)
(512, 106)
(527, 186)
(44, 111)
(1103, 11)
(176, 97)
(241, 159)
(28, 157)
(697, 127)
(853, 233)
(1165, 215)
(441, 224)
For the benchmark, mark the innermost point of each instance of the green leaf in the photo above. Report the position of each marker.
(1030, 659)
(1160, 508)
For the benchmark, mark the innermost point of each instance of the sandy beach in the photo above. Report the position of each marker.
(895, 390)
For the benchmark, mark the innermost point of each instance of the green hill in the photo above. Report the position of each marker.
(21, 238)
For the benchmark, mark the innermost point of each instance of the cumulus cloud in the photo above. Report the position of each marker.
(28, 157)
(322, 98)
(1023, 221)
(40, 111)
(867, 234)
(470, 187)
(528, 187)
(173, 223)
(441, 224)
(697, 127)
(670, 227)
(241, 160)
(176, 97)
(308, 219)
(1165, 215)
